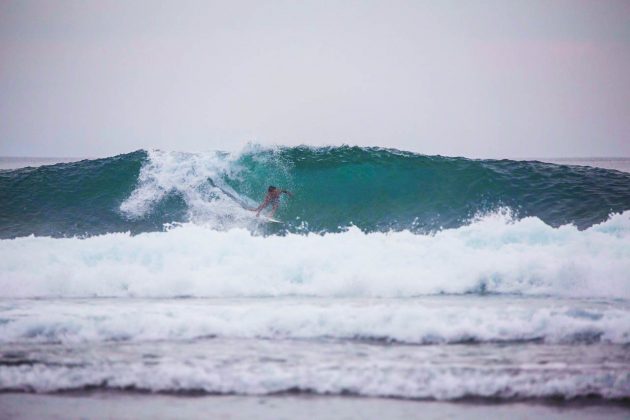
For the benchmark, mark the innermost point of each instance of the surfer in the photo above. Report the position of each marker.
(273, 198)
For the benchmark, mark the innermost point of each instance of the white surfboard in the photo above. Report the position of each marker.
(269, 219)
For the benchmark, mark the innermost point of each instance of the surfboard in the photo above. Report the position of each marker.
(242, 203)
(232, 196)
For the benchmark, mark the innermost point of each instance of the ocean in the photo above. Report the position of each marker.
(394, 277)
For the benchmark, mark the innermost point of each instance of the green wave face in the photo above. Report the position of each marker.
(69, 199)
(372, 188)
(380, 189)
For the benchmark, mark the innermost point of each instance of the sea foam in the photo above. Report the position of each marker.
(259, 367)
(491, 255)
(424, 321)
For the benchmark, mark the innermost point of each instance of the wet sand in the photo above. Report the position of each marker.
(122, 405)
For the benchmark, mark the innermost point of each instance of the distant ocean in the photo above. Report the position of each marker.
(393, 275)
(618, 164)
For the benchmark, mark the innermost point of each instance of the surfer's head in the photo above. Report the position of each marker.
(271, 188)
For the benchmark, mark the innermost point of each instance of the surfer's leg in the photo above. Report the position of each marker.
(273, 209)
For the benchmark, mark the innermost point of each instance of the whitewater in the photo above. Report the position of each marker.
(393, 275)
(494, 255)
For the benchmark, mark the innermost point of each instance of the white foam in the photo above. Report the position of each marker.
(187, 175)
(416, 321)
(493, 254)
(258, 367)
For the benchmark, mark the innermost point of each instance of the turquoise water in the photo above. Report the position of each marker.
(374, 189)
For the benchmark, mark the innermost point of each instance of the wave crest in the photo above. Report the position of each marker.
(374, 189)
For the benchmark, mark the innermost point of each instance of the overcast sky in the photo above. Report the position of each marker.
(467, 78)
